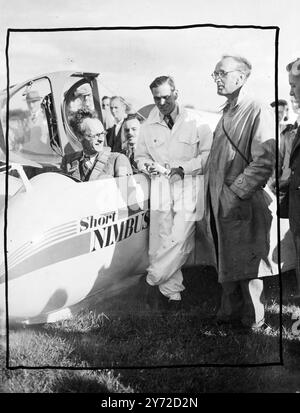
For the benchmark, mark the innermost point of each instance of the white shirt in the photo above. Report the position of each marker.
(187, 144)
(118, 126)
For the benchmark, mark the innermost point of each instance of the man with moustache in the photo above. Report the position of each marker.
(95, 161)
(131, 130)
(172, 149)
(241, 162)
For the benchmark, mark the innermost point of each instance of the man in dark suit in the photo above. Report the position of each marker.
(293, 69)
(114, 134)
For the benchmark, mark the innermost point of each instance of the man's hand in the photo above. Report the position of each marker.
(176, 174)
(153, 169)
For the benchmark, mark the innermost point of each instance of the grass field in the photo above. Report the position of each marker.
(134, 350)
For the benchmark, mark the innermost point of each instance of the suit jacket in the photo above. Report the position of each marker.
(107, 164)
(294, 185)
(114, 140)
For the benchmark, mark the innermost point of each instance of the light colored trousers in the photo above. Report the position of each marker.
(172, 232)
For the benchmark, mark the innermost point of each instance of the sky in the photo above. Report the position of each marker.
(129, 60)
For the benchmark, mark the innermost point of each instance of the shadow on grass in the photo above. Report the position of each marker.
(124, 334)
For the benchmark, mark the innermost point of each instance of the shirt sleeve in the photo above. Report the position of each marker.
(262, 159)
(141, 153)
(122, 166)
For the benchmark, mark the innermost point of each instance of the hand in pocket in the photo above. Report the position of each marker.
(234, 207)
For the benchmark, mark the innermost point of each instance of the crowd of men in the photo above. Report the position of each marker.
(174, 146)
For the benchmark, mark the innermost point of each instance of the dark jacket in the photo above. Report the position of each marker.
(294, 186)
(113, 139)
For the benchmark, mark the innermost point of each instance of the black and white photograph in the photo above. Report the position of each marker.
(150, 198)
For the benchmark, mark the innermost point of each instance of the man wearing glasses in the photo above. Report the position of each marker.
(241, 161)
(172, 149)
(95, 161)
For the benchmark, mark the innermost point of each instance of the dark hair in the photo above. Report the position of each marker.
(244, 63)
(132, 116)
(77, 119)
(281, 102)
(105, 97)
(161, 80)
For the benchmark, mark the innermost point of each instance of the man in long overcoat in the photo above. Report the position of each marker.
(294, 182)
(242, 160)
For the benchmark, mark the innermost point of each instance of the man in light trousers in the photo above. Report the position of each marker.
(173, 148)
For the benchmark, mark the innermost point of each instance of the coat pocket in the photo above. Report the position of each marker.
(156, 142)
(234, 208)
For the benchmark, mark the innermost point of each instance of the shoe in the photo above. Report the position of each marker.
(152, 297)
(261, 327)
(173, 305)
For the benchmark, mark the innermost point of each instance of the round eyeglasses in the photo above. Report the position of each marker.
(222, 74)
(96, 135)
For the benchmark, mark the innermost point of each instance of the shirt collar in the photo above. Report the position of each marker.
(173, 114)
(231, 105)
(156, 116)
(106, 150)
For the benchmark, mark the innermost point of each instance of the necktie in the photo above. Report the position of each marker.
(169, 121)
(86, 166)
(131, 157)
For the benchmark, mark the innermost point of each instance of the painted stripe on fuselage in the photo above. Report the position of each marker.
(60, 248)
(69, 228)
(62, 251)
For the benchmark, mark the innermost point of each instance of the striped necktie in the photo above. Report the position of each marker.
(169, 121)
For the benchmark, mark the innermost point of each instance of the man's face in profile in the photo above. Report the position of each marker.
(294, 82)
(228, 76)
